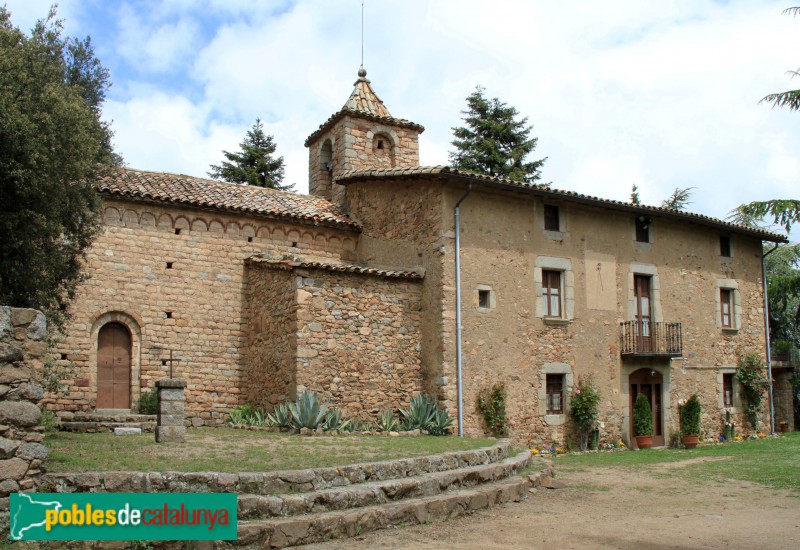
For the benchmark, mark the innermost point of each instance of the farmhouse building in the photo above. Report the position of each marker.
(252, 294)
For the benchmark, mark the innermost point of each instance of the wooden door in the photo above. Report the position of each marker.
(644, 339)
(113, 367)
(650, 383)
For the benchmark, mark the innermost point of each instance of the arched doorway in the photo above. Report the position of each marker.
(113, 367)
(651, 384)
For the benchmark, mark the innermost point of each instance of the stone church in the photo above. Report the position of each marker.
(354, 291)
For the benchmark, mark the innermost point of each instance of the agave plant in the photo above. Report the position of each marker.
(419, 413)
(280, 417)
(333, 420)
(387, 422)
(441, 422)
(239, 415)
(307, 411)
(258, 418)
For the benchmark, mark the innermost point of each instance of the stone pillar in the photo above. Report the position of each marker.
(171, 397)
(22, 352)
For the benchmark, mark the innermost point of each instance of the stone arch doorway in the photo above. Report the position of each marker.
(651, 383)
(114, 367)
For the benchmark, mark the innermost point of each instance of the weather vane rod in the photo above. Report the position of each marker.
(362, 34)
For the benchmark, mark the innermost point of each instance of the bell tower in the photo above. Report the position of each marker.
(362, 135)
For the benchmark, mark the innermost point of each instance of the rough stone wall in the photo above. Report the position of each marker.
(503, 238)
(194, 308)
(269, 376)
(354, 148)
(358, 340)
(784, 398)
(22, 354)
(403, 227)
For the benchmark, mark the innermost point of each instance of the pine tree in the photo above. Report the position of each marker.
(494, 142)
(254, 164)
(679, 199)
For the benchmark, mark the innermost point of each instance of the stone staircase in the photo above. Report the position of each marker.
(106, 422)
(296, 507)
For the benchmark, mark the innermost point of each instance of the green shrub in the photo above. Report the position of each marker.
(419, 413)
(690, 416)
(750, 374)
(280, 417)
(50, 421)
(584, 408)
(642, 416)
(307, 412)
(492, 405)
(387, 422)
(239, 416)
(148, 402)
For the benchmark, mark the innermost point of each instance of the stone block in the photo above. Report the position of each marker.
(168, 394)
(37, 329)
(32, 451)
(10, 374)
(5, 320)
(170, 434)
(171, 408)
(170, 383)
(22, 316)
(8, 447)
(8, 486)
(197, 422)
(13, 468)
(120, 430)
(19, 413)
(170, 420)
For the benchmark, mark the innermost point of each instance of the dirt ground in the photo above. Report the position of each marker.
(615, 508)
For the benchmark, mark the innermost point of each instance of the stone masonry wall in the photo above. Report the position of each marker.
(503, 245)
(22, 354)
(403, 226)
(358, 340)
(269, 376)
(175, 278)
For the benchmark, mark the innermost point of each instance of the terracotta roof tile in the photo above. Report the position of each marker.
(543, 190)
(292, 263)
(183, 190)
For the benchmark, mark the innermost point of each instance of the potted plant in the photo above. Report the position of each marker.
(643, 422)
(690, 422)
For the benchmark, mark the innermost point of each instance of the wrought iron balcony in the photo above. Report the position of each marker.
(651, 339)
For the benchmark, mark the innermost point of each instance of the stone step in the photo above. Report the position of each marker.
(313, 528)
(104, 426)
(275, 482)
(100, 417)
(379, 492)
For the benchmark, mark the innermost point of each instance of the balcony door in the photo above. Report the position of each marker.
(644, 337)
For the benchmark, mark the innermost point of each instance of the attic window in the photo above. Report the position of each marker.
(551, 221)
(643, 229)
(725, 246)
(483, 298)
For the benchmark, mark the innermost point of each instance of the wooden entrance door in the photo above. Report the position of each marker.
(113, 367)
(650, 383)
(644, 340)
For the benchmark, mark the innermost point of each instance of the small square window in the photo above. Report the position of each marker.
(555, 394)
(726, 307)
(551, 219)
(727, 389)
(169, 265)
(168, 314)
(484, 298)
(551, 289)
(725, 246)
(643, 229)
(177, 231)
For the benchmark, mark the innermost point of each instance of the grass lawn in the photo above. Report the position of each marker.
(771, 461)
(229, 450)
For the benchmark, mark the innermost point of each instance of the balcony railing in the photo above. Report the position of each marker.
(651, 339)
(785, 352)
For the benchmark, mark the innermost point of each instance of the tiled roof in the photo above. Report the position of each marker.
(292, 263)
(183, 190)
(364, 99)
(364, 103)
(448, 172)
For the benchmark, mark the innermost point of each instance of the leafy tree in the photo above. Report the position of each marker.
(254, 164)
(52, 144)
(791, 98)
(679, 199)
(494, 142)
(783, 293)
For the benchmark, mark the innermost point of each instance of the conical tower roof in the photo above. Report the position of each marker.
(364, 99)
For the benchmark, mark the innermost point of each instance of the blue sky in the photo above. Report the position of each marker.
(619, 92)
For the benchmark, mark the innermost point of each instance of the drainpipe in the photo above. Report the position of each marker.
(766, 327)
(458, 313)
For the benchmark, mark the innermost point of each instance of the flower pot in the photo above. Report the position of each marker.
(690, 441)
(644, 441)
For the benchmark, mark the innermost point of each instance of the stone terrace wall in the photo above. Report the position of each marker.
(193, 307)
(269, 372)
(22, 352)
(358, 339)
